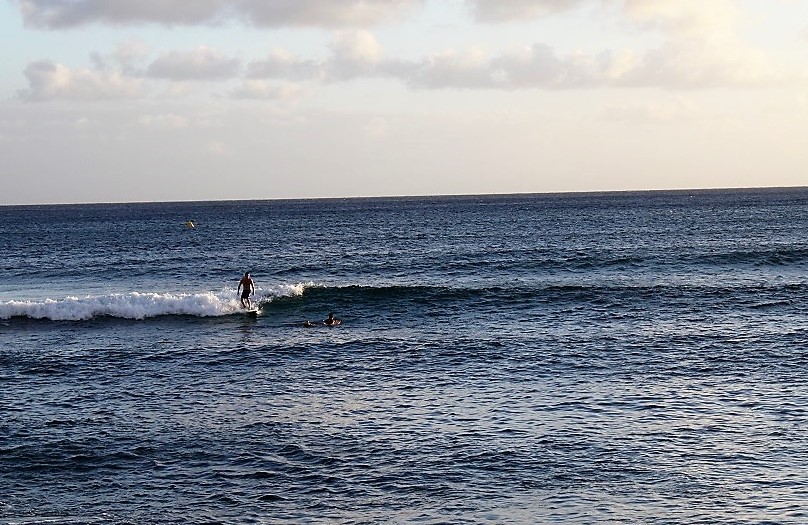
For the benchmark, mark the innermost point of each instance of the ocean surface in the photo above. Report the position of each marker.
(574, 358)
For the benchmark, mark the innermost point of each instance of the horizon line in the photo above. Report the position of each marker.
(411, 196)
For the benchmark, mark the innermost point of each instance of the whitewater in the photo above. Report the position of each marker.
(141, 305)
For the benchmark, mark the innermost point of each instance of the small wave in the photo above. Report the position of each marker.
(779, 256)
(140, 305)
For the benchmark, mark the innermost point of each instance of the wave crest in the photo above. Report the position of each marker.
(140, 305)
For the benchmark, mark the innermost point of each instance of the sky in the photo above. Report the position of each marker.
(180, 100)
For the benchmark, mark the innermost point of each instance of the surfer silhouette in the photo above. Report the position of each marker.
(246, 286)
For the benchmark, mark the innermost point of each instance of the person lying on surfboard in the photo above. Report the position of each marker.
(248, 286)
(331, 321)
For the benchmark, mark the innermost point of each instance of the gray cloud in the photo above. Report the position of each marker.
(60, 14)
(536, 66)
(282, 64)
(127, 57)
(322, 13)
(509, 10)
(203, 63)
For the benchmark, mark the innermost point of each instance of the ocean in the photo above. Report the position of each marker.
(634, 358)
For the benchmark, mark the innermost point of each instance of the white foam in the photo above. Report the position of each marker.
(141, 305)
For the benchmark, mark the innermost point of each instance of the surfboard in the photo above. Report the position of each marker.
(252, 312)
(312, 324)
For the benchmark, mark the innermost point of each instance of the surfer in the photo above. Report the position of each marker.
(248, 286)
(331, 321)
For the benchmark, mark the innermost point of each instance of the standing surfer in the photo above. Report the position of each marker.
(248, 286)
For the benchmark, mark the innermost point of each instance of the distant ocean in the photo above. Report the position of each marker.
(574, 358)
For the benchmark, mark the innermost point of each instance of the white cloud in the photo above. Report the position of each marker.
(56, 14)
(48, 80)
(358, 47)
(704, 48)
(355, 54)
(203, 63)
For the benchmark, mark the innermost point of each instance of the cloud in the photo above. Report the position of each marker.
(704, 48)
(511, 10)
(685, 17)
(48, 80)
(203, 63)
(354, 54)
(263, 90)
(283, 64)
(126, 57)
(60, 14)
(322, 13)
(466, 69)
(529, 67)
(690, 64)
(700, 47)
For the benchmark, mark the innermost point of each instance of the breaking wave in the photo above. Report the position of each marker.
(140, 305)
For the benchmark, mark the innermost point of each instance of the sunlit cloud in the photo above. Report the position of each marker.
(48, 80)
(685, 17)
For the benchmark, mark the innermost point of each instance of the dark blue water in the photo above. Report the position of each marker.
(590, 358)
